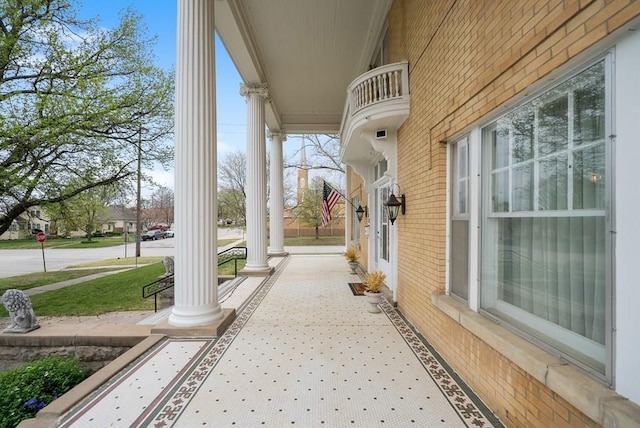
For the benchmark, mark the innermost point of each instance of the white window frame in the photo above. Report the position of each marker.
(521, 316)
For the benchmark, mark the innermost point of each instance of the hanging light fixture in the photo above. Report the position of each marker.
(394, 205)
(360, 212)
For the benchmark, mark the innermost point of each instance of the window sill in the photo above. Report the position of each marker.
(592, 398)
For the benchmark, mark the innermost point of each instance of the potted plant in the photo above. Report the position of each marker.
(373, 289)
(352, 255)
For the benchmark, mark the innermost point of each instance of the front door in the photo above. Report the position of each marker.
(383, 231)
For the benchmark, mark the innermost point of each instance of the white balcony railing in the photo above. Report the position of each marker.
(389, 82)
(377, 99)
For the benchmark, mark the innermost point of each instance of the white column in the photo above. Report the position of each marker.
(276, 212)
(196, 282)
(256, 204)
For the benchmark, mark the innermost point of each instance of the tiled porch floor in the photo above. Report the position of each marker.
(303, 351)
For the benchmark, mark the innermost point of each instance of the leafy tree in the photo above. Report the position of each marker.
(76, 104)
(84, 211)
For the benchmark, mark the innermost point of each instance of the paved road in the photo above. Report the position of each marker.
(19, 262)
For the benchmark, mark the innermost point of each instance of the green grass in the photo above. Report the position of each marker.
(120, 261)
(228, 268)
(26, 244)
(304, 241)
(31, 280)
(225, 242)
(117, 292)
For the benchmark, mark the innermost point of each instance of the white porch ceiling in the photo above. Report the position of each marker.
(307, 51)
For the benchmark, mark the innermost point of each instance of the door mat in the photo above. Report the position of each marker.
(357, 288)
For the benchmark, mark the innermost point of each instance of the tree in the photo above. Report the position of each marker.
(232, 183)
(76, 103)
(310, 210)
(162, 205)
(322, 150)
(84, 211)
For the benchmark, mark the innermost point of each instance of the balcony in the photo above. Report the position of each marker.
(378, 100)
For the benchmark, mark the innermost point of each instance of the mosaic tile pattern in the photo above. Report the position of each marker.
(304, 351)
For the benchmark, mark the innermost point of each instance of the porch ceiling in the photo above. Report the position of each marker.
(307, 51)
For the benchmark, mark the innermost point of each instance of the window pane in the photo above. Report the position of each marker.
(523, 188)
(500, 138)
(460, 258)
(552, 194)
(500, 191)
(523, 133)
(462, 197)
(554, 268)
(553, 127)
(588, 106)
(588, 178)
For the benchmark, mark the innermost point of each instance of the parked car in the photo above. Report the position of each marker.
(152, 235)
(169, 233)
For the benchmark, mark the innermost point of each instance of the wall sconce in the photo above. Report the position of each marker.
(393, 205)
(361, 211)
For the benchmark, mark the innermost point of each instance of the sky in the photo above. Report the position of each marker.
(160, 18)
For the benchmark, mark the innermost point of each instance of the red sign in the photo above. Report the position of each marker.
(41, 237)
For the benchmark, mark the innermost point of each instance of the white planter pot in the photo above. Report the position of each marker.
(353, 266)
(374, 299)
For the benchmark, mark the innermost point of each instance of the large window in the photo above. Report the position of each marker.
(544, 226)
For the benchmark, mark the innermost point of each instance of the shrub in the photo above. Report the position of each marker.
(26, 389)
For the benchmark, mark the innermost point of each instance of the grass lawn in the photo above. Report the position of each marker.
(117, 292)
(304, 241)
(120, 261)
(24, 282)
(26, 244)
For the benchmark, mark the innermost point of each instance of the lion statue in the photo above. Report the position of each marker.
(18, 304)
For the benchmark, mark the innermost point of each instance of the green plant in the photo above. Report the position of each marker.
(26, 389)
(374, 281)
(352, 254)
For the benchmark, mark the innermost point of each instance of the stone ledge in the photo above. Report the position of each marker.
(589, 396)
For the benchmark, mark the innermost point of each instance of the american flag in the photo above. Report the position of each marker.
(329, 198)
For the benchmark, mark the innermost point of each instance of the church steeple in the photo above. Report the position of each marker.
(303, 174)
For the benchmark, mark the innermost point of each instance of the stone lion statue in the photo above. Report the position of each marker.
(23, 318)
(168, 265)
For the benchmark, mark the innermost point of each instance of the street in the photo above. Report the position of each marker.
(19, 262)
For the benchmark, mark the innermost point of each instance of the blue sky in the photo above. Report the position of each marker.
(160, 18)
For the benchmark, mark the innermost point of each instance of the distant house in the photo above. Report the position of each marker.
(30, 221)
(119, 219)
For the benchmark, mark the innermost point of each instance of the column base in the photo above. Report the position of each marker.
(261, 271)
(277, 253)
(215, 328)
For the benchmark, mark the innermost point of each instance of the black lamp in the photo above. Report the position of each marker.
(393, 204)
(360, 212)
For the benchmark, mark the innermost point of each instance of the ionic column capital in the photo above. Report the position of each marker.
(261, 90)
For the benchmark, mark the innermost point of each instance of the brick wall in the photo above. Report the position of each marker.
(465, 59)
